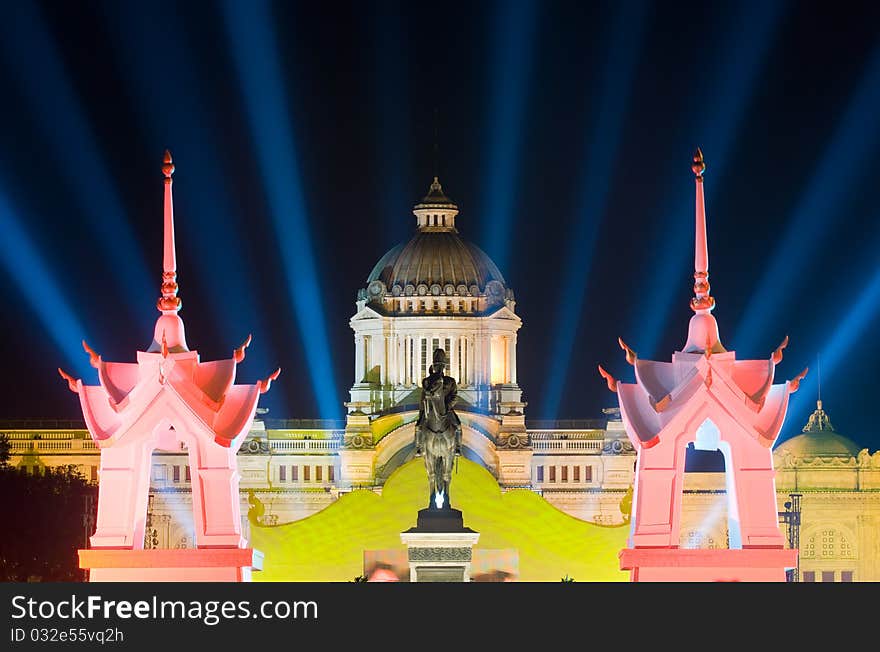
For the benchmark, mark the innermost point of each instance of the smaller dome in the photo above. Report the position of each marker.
(819, 444)
(819, 440)
(442, 272)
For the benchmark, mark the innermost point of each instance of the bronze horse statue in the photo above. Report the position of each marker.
(438, 430)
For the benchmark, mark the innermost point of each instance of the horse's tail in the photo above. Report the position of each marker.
(438, 468)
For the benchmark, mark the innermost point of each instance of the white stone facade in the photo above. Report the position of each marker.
(393, 353)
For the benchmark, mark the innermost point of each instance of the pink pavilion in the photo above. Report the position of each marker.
(168, 400)
(707, 397)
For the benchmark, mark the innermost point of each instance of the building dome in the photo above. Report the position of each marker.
(437, 266)
(437, 258)
(819, 439)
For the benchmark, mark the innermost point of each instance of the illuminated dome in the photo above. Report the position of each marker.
(819, 440)
(436, 270)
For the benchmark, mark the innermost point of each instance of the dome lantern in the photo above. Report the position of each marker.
(436, 212)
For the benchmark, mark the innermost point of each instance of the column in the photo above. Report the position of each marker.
(387, 366)
(485, 359)
(399, 344)
(358, 358)
(453, 345)
(472, 361)
(215, 495)
(122, 497)
(513, 359)
(407, 359)
(477, 344)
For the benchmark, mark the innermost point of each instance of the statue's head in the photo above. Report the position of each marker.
(439, 360)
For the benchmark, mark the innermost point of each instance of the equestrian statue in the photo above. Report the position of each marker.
(438, 430)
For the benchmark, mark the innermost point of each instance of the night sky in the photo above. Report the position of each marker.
(303, 133)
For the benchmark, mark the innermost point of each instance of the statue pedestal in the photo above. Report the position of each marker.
(701, 565)
(440, 547)
(183, 565)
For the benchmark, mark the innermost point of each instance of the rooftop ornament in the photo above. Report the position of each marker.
(168, 400)
(707, 397)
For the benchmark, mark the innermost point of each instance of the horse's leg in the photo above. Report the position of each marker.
(431, 484)
(447, 472)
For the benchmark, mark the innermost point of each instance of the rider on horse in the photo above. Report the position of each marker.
(438, 423)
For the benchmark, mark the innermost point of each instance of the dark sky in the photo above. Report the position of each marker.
(304, 132)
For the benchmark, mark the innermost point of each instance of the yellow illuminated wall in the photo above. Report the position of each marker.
(329, 545)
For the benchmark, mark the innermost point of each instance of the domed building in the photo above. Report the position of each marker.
(837, 483)
(818, 440)
(439, 291)
(436, 291)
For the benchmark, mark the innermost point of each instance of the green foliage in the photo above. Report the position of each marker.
(45, 514)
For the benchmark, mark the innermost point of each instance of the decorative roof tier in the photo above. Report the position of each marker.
(436, 267)
(703, 373)
(168, 379)
(708, 398)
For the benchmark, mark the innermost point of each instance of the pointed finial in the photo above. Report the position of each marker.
(72, 383)
(238, 354)
(609, 379)
(266, 383)
(169, 301)
(776, 356)
(631, 356)
(699, 165)
(167, 165)
(94, 358)
(795, 383)
(702, 301)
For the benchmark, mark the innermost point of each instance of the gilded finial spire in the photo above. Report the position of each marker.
(702, 301)
(169, 301)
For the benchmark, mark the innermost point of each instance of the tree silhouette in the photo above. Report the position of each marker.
(44, 513)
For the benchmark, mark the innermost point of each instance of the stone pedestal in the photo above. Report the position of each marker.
(183, 565)
(356, 467)
(440, 547)
(514, 464)
(702, 565)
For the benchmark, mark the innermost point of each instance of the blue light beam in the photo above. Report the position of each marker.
(602, 149)
(854, 141)
(394, 156)
(511, 66)
(37, 287)
(721, 114)
(203, 220)
(30, 53)
(255, 53)
(843, 341)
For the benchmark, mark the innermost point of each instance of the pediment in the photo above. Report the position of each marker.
(504, 312)
(365, 313)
